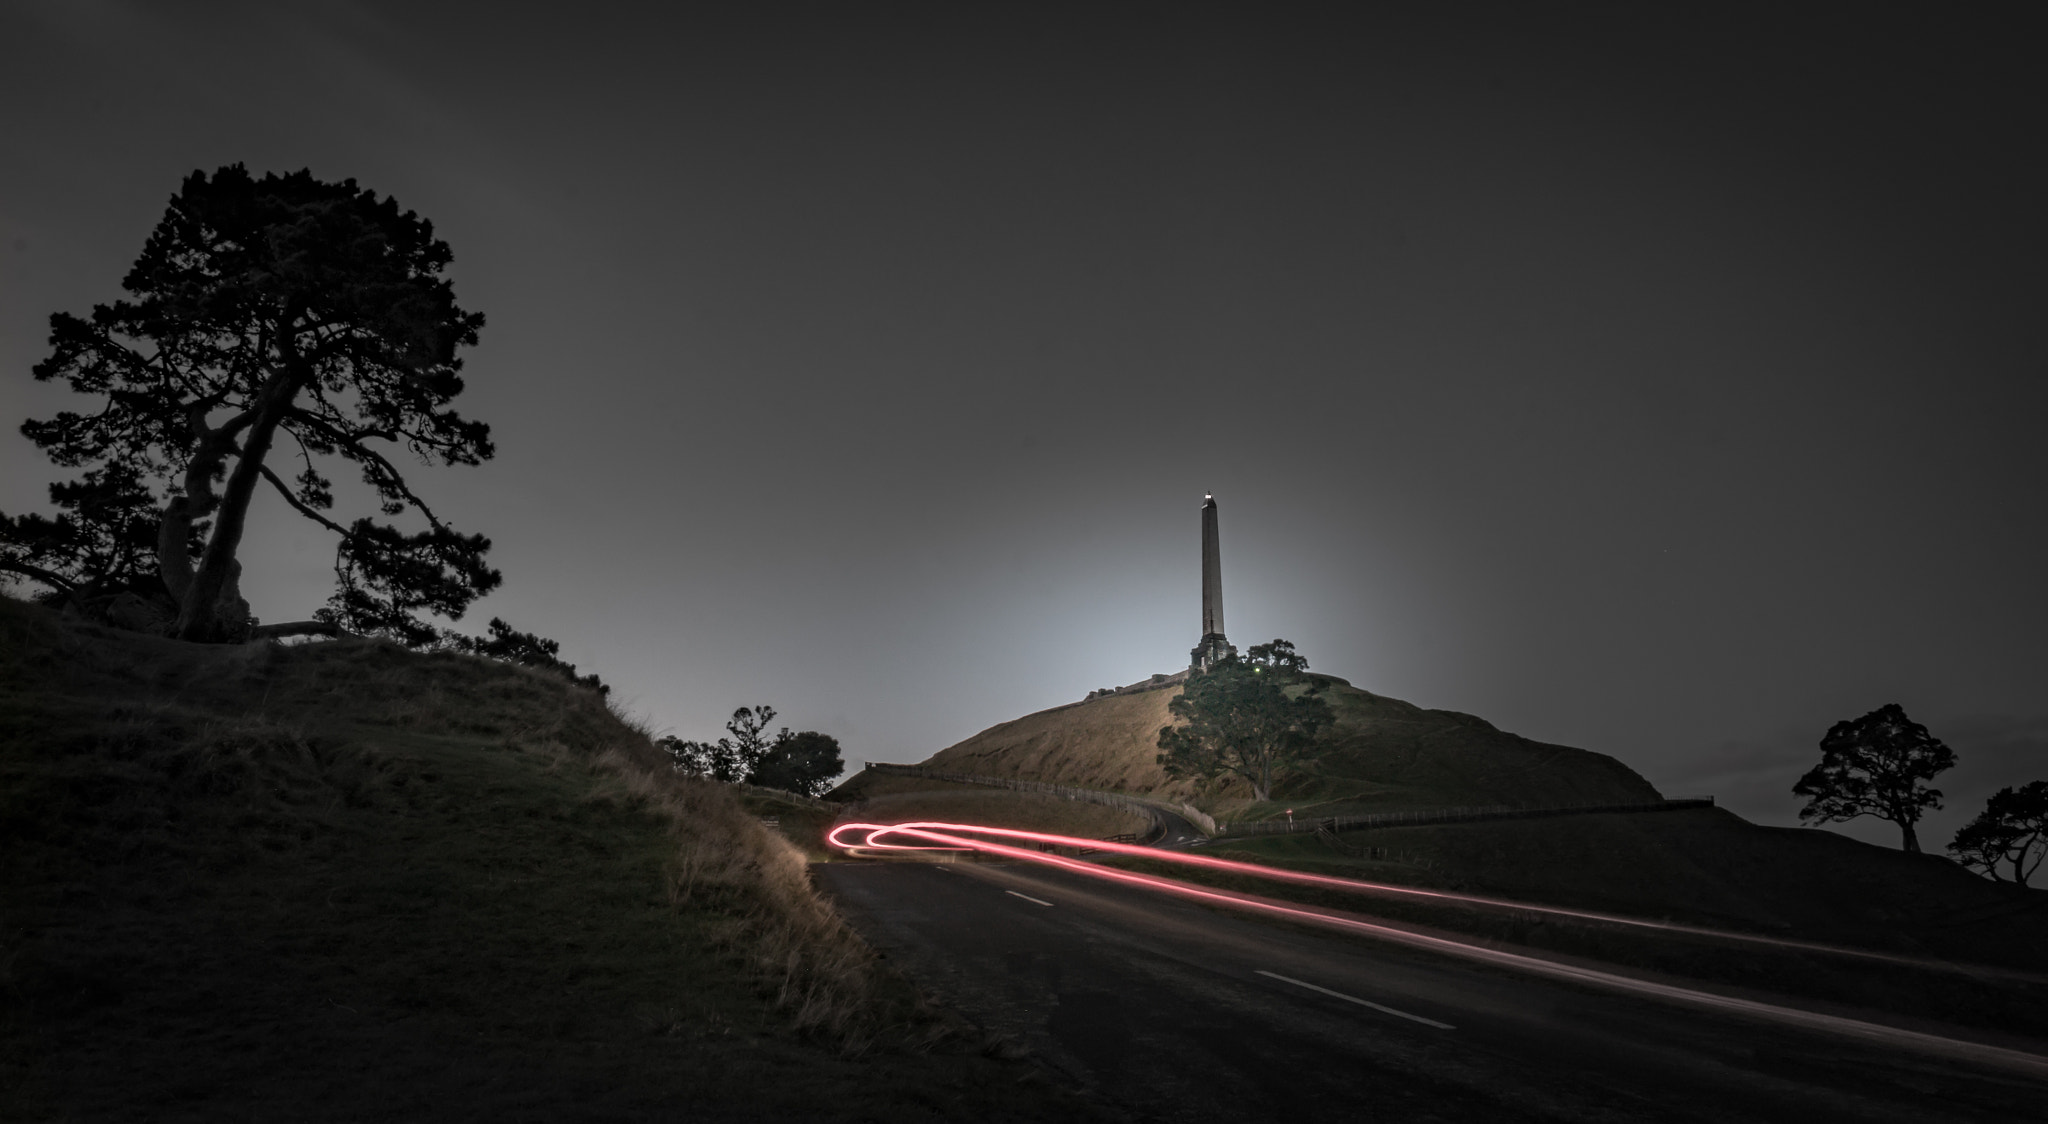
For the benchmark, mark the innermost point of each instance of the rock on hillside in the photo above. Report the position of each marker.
(1384, 754)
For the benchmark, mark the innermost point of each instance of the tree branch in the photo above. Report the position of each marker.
(29, 570)
(299, 506)
(354, 442)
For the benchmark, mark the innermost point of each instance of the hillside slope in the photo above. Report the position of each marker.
(1384, 755)
(341, 881)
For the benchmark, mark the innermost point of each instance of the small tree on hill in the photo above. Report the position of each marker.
(803, 762)
(266, 310)
(742, 753)
(1877, 765)
(525, 649)
(690, 758)
(730, 759)
(2012, 829)
(1252, 717)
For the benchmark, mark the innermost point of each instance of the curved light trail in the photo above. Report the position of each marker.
(956, 837)
(961, 840)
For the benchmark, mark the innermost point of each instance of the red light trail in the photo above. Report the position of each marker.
(956, 837)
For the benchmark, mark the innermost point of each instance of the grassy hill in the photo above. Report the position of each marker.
(1703, 866)
(341, 881)
(1384, 755)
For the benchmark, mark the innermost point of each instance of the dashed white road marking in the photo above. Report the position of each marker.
(1357, 1000)
(1028, 898)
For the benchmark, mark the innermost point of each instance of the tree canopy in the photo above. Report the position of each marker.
(259, 309)
(803, 762)
(1877, 765)
(2012, 829)
(732, 758)
(1252, 716)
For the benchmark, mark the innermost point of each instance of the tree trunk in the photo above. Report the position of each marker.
(173, 565)
(174, 529)
(1912, 842)
(212, 609)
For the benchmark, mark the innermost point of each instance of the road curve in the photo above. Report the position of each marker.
(1167, 1010)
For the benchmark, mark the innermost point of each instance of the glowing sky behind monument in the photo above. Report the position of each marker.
(1662, 383)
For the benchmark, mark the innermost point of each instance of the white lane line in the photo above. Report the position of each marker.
(1028, 898)
(1357, 1000)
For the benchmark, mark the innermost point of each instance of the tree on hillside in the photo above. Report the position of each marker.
(260, 310)
(730, 759)
(2012, 829)
(802, 762)
(749, 742)
(690, 758)
(1877, 765)
(525, 649)
(1252, 716)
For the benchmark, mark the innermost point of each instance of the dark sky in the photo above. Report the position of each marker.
(1662, 381)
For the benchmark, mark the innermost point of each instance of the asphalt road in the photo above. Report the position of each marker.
(1167, 1010)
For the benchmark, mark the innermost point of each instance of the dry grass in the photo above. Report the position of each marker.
(903, 799)
(1383, 755)
(824, 976)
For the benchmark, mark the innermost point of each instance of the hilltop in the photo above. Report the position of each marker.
(1384, 755)
(344, 881)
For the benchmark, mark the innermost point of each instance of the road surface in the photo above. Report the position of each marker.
(1171, 1011)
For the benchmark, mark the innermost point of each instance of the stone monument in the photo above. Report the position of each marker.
(1214, 646)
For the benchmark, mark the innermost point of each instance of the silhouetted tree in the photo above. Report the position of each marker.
(689, 757)
(743, 752)
(730, 759)
(103, 538)
(1877, 765)
(267, 307)
(525, 649)
(1251, 716)
(2012, 829)
(802, 762)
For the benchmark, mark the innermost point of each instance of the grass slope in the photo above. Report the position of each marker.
(1383, 755)
(341, 881)
(915, 798)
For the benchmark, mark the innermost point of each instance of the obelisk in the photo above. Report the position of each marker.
(1214, 646)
